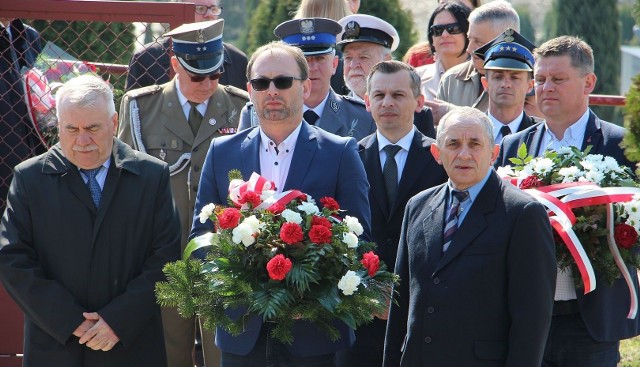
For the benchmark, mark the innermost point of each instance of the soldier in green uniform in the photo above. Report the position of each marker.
(176, 122)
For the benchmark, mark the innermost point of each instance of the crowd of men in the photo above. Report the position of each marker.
(89, 224)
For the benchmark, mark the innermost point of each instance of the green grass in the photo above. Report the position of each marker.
(630, 352)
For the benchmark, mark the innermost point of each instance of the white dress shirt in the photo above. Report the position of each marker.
(276, 160)
(186, 106)
(319, 108)
(497, 125)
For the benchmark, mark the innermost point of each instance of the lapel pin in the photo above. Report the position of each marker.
(212, 121)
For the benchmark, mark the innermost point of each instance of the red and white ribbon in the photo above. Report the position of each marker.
(260, 186)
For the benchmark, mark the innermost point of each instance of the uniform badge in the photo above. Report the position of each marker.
(508, 35)
(227, 130)
(233, 115)
(200, 37)
(174, 144)
(334, 105)
(307, 27)
(212, 121)
(352, 30)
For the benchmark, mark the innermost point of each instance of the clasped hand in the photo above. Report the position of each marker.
(95, 333)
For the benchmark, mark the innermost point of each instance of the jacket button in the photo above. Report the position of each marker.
(196, 168)
(431, 309)
(436, 281)
(194, 149)
(195, 188)
(427, 339)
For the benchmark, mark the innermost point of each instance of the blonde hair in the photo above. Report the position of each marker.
(332, 9)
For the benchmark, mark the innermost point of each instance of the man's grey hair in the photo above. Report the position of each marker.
(464, 114)
(579, 52)
(393, 66)
(85, 91)
(500, 13)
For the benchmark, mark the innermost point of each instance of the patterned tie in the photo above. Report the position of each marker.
(390, 173)
(452, 219)
(311, 117)
(195, 118)
(505, 130)
(94, 187)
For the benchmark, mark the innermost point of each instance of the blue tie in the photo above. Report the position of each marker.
(452, 219)
(94, 187)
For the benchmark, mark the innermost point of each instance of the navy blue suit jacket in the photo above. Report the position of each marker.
(487, 300)
(605, 309)
(323, 164)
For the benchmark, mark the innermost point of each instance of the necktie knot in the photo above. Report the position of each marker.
(505, 130)
(310, 116)
(391, 150)
(460, 195)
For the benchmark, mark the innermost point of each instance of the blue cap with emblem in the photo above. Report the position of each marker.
(508, 51)
(198, 46)
(314, 36)
(367, 28)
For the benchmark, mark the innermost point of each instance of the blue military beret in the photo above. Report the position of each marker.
(314, 36)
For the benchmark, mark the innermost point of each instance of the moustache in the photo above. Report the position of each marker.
(85, 148)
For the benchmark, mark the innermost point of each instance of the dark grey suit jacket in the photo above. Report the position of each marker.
(487, 300)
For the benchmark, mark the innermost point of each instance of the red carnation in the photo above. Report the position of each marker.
(229, 218)
(276, 208)
(278, 267)
(330, 203)
(291, 233)
(530, 182)
(320, 234)
(320, 221)
(250, 197)
(625, 235)
(371, 262)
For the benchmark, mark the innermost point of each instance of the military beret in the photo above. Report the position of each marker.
(367, 28)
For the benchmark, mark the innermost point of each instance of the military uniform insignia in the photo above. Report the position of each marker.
(334, 105)
(212, 121)
(352, 30)
(200, 37)
(233, 115)
(354, 124)
(307, 27)
(162, 155)
(227, 130)
(174, 144)
(508, 35)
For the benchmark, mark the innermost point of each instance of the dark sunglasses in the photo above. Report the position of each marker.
(201, 78)
(281, 82)
(451, 28)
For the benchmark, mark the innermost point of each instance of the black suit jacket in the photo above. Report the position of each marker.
(152, 65)
(487, 300)
(423, 121)
(605, 309)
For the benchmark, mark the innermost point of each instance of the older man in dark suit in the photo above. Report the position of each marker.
(88, 227)
(294, 155)
(476, 262)
(399, 164)
(586, 329)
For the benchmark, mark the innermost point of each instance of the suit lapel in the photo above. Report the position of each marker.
(250, 153)
(525, 122)
(331, 120)
(176, 122)
(433, 225)
(371, 159)
(534, 140)
(592, 134)
(57, 164)
(417, 161)
(306, 147)
(474, 222)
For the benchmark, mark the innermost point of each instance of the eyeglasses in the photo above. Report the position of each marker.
(281, 82)
(201, 78)
(215, 9)
(451, 28)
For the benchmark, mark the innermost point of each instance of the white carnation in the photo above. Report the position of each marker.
(253, 223)
(570, 174)
(350, 239)
(349, 283)
(543, 165)
(505, 171)
(243, 234)
(354, 225)
(309, 208)
(206, 212)
(564, 150)
(291, 216)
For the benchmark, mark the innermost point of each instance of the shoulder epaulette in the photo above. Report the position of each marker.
(357, 101)
(236, 91)
(144, 91)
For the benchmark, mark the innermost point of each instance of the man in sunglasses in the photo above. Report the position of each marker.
(175, 122)
(293, 154)
(337, 114)
(461, 85)
(366, 41)
(152, 64)
(508, 79)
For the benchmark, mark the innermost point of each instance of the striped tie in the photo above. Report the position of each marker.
(452, 219)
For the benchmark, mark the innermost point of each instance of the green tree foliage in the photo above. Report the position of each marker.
(526, 26)
(597, 23)
(269, 13)
(631, 141)
(392, 12)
